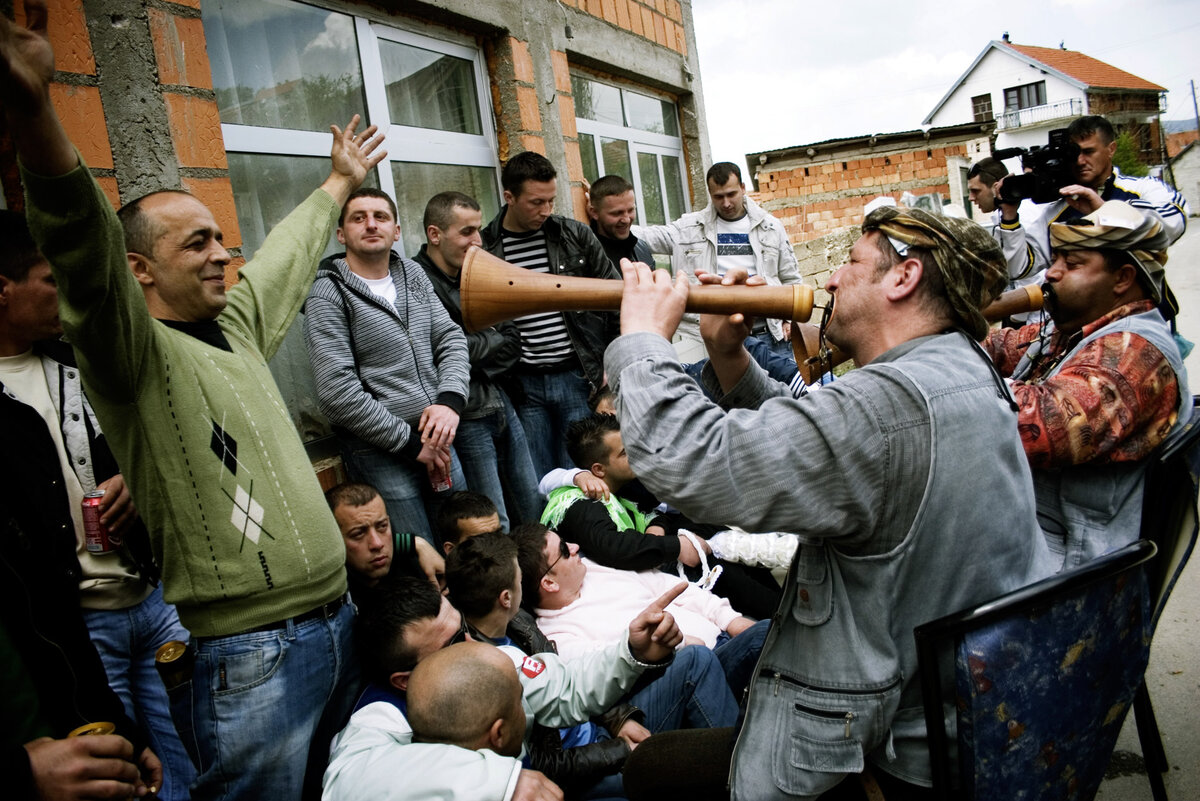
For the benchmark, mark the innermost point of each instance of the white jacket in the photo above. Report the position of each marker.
(375, 759)
(691, 241)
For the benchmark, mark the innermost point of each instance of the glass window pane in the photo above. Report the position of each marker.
(597, 101)
(651, 114)
(416, 183)
(282, 65)
(587, 154)
(652, 200)
(429, 90)
(674, 180)
(615, 153)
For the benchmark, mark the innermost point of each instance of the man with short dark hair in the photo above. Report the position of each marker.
(612, 208)
(389, 364)
(561, 352)
(1102, 385)
(490, 441)
(176, 367)
(1026, 255)
(922, 440)
(466, 514)
(732, 232)
(411, 622)
(373, 548)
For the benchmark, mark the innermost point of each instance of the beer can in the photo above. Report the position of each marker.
(97, 537)
(175, 662)
(443, 484)
(99, 727)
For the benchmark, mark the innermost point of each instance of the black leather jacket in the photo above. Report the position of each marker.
(572, 249)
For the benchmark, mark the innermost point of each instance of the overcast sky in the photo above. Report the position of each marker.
(779, 73)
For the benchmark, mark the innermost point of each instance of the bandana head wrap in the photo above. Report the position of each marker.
(1118, 226)
(972, 265)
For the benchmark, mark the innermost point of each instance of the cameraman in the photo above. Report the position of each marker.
(1027, 256)
(1098, 181)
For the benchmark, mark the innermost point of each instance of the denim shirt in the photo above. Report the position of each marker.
(912, 497)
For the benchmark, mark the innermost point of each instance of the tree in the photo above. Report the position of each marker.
(1128, 157)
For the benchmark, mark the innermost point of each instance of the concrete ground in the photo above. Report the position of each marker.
(1174, 673)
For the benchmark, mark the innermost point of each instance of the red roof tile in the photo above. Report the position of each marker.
(1086, 69)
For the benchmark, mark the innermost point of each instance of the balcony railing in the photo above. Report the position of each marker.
(1039, 115)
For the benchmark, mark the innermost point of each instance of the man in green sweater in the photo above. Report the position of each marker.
(176, 368)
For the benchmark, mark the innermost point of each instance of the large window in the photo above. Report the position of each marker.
(981, 108)
(283, 71)
(1026, 96)
(634, 135)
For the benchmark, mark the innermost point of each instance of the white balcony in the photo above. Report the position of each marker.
(1040, 115)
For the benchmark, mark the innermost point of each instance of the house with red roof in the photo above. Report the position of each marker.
(1029, 91)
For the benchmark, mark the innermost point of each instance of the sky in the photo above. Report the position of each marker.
(779, 73)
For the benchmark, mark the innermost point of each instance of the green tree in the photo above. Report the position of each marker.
(1128, 158)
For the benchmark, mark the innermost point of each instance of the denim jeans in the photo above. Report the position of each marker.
(402, 483)
(127, 640)
(738, 655)
(552, 402)
(495, 458)
(258, 701)
(691, 693)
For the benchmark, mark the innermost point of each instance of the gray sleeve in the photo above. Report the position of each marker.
(823, 465)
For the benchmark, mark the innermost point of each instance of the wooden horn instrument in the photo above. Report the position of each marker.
(806, 337)
(492, 290)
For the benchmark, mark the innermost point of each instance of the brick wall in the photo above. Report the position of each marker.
(822, 196)
(660, 21)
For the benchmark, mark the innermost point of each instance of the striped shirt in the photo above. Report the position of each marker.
(545, 342)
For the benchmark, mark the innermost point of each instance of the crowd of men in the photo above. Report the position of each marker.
(443, 626)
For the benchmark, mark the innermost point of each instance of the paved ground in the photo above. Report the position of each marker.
(1174, 673)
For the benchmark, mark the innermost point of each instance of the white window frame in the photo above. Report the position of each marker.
(404, 143)
(639, 141)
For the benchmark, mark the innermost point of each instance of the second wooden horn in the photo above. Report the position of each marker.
(492, 290)
(805, 346)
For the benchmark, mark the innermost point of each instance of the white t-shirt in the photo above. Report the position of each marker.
(382, 288)
(733, 245)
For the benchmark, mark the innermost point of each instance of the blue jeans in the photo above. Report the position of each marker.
(258, 701)
(402, 483)
(738, 655)
(691, 693)
(127, 640)
(495, 457)
(552, 402)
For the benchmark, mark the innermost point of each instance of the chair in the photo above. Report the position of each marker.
(1037, 682)
(1170, 521)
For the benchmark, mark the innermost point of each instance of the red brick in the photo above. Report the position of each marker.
(66, 27)
(635, 18)
(562, 71)
(574, 163)
(622, 10)
(196, 130)
(533, 142)
(82, 115)
(217, 194)
(675, 11)
(647, 23)
(660, 31)
(566, 116)
(522, 62)
(529, 105)
(578, 203)
(595, 8)
(108, 185)
(608, 8)
(231, 270)
(180, 50)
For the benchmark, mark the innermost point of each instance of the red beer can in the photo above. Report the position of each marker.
(97, 537)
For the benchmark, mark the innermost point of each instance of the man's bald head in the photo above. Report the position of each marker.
(468, 695)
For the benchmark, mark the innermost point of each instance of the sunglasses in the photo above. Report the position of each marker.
(564, 552)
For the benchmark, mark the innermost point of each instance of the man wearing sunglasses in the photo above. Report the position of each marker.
(374, 756)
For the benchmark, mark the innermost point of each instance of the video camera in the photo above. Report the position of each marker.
(1053, 167)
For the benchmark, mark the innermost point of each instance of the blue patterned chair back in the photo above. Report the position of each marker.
(1042, 679)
